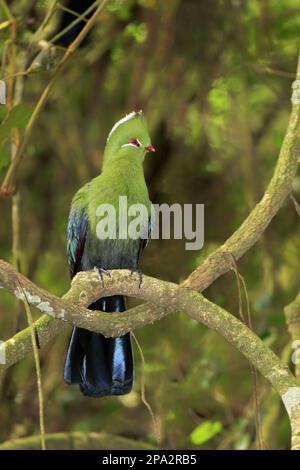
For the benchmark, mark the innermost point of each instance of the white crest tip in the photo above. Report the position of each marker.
(122, 121)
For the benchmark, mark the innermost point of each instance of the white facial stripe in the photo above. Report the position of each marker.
(129, 145)
(121, 121)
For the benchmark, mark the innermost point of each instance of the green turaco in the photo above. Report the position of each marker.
(104, 366)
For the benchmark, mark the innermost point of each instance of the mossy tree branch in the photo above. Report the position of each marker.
(63, 311)
(86, 288)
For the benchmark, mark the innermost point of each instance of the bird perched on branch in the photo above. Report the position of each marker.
(104, 366)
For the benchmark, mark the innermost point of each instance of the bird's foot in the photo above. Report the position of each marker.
(100, 272)
(140, 275)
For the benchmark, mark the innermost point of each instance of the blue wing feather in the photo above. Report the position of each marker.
(76, 236)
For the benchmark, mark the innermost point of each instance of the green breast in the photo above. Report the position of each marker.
(125, 179)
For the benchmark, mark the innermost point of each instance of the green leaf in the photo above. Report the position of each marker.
(4, 159)
(3, 113)
(205, 431)
(4, 25)
(136, 31)
(17, 117)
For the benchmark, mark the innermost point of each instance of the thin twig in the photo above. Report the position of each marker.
(7, 11)
(296, 203)
(37, 368)
(72, 12)
(266, 69)
(14, 97)
(81, 17)
(44, 23)
(143, 390)
(258, 424)
(239, 279)
(17, 74)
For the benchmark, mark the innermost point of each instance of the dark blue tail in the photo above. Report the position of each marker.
(101, 366)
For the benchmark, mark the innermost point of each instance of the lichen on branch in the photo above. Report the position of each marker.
(86, 288)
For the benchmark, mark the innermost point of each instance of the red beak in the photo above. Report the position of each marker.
(150, 148)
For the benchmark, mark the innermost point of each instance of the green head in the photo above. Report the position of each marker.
(129, 138)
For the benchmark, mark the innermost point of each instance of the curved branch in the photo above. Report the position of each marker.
(86, 288)
(252, 228)
(70, 309)
(76, 441)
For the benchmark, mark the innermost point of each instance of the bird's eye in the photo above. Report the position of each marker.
(135, 142)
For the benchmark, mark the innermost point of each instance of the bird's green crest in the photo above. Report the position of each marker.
(132, 126)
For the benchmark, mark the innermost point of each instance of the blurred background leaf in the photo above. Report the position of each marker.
(205, 431)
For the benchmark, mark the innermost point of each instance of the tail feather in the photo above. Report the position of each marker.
(101, 366)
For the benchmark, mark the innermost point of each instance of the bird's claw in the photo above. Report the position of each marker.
(140, 275)
(100, 272)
